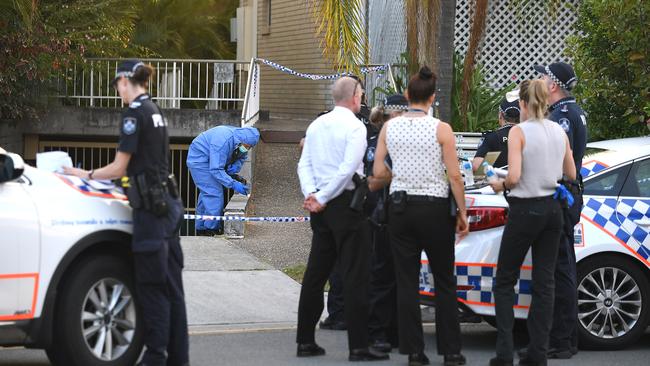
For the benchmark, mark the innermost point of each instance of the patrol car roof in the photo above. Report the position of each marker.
(620, 144)
(618, 151)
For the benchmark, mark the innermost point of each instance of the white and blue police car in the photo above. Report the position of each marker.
(66, 278)
(612, 245)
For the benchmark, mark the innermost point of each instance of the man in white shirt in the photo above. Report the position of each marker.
(334, 148)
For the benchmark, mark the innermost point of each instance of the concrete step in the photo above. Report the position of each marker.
(283, 129)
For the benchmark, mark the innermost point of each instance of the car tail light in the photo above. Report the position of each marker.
(481, 218)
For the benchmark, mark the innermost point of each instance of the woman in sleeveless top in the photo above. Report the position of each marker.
(419, 217)
(538, 155)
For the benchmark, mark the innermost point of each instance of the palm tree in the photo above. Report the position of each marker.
(344, 39)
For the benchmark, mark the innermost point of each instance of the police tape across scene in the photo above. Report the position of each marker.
(243, 218)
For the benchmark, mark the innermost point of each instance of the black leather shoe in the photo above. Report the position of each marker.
(500, 362)
(455, 360)
(366, 354)
(574, 350)
(556, 353)
(331, 324)
(561, 354)
(529, 362)
(382, 346)
(309, 350)
(418, 359)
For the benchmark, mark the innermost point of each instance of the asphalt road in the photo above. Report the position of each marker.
(276, 347)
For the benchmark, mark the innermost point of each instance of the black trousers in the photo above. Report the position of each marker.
(564, 333)
(335, 302)
(382, 325)
(338, 234)
(158, 260)
(429, 227)
(536, 223)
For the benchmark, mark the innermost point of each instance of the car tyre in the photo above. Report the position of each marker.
(613, 302)
(97, 321)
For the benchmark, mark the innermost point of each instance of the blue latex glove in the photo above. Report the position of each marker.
(239, 188)
(563, 194)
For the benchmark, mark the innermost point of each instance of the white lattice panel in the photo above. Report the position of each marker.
(517, 38)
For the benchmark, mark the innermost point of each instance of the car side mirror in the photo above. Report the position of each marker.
(11, 167)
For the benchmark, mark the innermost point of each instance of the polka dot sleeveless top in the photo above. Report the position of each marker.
(413, 147)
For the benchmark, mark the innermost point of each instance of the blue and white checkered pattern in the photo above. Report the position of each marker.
(618, 220)
(481, 278)
(591, 167)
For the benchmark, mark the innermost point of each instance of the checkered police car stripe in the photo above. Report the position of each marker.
(617, 219)
(82, 186)
(481, 278)
(592, 167)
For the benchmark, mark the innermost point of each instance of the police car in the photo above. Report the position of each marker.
(66, 279)
(612, 245)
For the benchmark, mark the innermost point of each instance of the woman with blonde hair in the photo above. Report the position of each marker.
(538, 155)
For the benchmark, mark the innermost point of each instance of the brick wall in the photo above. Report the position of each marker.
(290, 40)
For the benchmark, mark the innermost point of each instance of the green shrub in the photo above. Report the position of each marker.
(612, 61)
(483, 101)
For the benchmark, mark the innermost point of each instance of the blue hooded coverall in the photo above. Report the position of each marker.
(208, 160)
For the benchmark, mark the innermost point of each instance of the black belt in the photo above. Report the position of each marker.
(512, 199)
(419, 198)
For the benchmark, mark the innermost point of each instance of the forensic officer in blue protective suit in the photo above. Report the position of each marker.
(214, 159)
(143, 154)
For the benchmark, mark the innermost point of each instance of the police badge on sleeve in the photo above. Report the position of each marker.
(129, 125)
(565, 124)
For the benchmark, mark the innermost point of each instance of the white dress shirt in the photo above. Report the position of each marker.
(334, 148)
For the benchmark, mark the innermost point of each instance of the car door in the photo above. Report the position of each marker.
(633, 209)
(19, 251)
(599, 212)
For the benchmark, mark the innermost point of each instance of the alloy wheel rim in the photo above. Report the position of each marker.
(609, 302)
(108, 319)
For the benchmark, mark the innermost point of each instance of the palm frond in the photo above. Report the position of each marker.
(341, 25)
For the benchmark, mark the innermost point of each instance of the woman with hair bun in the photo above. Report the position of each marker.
(420, 216)
(142, 155)
(538, 155)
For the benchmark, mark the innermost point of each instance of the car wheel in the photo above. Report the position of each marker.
(613, 301)
(97, 320)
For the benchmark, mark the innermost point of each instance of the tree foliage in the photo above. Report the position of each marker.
(612, 61)
(40, 38)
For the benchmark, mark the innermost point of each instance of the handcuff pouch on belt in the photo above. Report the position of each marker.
(360, 191)
(149, 192)
(398, 201)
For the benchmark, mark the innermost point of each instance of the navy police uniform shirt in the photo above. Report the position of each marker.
(568, 114)
(496, 141)
(143, 134)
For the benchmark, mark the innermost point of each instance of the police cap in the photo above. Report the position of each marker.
(509, 109)
(395, 102)
(561, 73)
(127, 69)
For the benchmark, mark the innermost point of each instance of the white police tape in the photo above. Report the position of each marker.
(364, 70)
(247, 219)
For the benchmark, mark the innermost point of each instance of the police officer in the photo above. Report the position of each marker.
(561, 79)
(382, 324)
(498, 140)
(143, 154)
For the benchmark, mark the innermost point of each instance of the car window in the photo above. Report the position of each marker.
(638, 183)
(607, 184)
